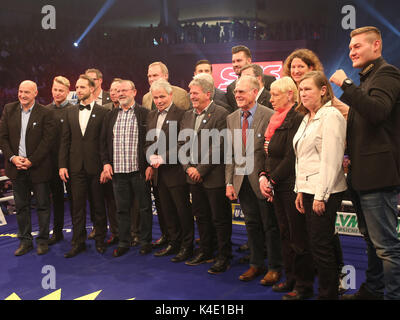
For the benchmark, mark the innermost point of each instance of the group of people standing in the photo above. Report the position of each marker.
(283, 162)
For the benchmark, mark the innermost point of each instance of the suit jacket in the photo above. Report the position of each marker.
(180, 98)
(59, 116)
(213, 175)
(38, 141)
(107, 136)
(109, 106)
(79, 152)
(264, 98)
(267, 79)
(259, 125)
(373, 137)
(172, 174)
(221, 100)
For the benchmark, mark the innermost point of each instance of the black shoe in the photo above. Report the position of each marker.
(42, 248)
(199, 259)
(295, 295)
(120, 251)
(183, 254)
(362, 294)
(23, 249)
(112, 240)
(75, 250)
(101, 247)
(285, 286)
(170, 249)
(56, 237)
(160, 242)
(146, 249)
(221, 265)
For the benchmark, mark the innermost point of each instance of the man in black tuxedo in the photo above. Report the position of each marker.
(26, 137)
(79, 161)
(167, 174)
(241, 56)
(206, 175)
(59, 106)
(124, 162)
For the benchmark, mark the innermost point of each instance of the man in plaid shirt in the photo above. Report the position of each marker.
(123, 137)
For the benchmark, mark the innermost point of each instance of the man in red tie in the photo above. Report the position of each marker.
(241, 177)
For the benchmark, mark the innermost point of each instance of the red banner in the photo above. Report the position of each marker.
(223, 73)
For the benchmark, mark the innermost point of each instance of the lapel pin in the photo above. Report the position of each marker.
(259, 135)
(209, 115)
(204, 121)
(167, 121)
(93, 116)
(62, 120)
(34, 124)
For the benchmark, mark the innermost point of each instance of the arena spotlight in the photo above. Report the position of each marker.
(106, 6)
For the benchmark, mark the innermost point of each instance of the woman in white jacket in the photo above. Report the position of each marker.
(319, 146)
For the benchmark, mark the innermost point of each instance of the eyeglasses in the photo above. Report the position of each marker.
(236, 91)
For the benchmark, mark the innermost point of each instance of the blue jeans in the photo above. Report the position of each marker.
(127, 185)
(377, 221)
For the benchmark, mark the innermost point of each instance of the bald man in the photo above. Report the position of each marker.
(26, 137)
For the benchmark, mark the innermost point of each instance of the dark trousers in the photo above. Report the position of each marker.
(175, 204)
(22, 187)
(162, 220)
(57, 199)
(321, 233)
(111, 208)
(125, 186)
(83, 186)
(213, 213)
(262, 228)
(296, 254)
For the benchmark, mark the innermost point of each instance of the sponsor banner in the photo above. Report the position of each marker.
(223, 73)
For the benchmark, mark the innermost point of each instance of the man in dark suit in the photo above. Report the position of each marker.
(168, 175)
(204, 66)
(79, 161)
(242, 181)
(26, 137)
(263, 95)
(124, 162)
(59, 106)
(206, 175)
(241, 56)
(373, 143)
(101, 97)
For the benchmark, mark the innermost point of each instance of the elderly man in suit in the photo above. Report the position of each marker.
(241, 56)
(168, 175)
(373, 143)
(79, 161)
(124, 162)
(158, 70)
(26, 137)
(59, 107)
(206, 174)
(205, 66)
(242, 181)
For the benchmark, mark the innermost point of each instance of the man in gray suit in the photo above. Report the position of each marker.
(241, 179)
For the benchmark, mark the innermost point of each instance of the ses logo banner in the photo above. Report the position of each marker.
(223, 73)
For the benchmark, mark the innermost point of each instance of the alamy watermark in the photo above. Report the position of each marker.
(49, 280)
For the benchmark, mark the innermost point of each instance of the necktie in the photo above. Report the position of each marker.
(245, 126)
(81, 107)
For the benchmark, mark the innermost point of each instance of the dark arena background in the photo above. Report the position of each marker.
(42, 39)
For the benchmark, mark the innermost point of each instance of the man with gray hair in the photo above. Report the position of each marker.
(167, 174)
(256, 71)
(206, 176)
(242, 181)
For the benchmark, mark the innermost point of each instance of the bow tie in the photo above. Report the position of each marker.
(81, 107)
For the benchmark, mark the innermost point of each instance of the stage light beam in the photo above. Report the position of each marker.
(96, 19)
